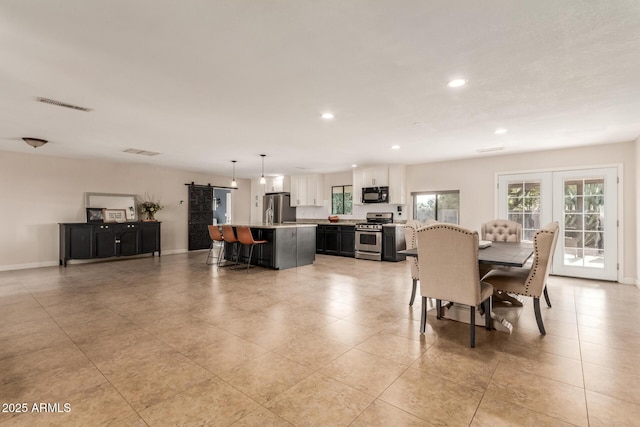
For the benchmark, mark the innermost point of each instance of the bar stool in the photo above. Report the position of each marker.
(230, 237)
(246, 238)
(214, 234)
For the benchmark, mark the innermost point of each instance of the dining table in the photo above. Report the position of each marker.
(504, 254)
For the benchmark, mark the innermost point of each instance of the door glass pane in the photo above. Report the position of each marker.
(524, 204)
(583, 220)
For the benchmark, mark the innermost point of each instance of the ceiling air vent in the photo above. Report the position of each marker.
(488, 150)
(62, 104)
(141, 152)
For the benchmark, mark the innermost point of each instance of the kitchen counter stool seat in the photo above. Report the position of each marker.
(216, 236)
(229, 236)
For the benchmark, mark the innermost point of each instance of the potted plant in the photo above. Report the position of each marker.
(149, 209)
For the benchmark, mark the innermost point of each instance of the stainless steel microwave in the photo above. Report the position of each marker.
(375, 195)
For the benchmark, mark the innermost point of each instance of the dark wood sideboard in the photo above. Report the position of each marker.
(103, 240)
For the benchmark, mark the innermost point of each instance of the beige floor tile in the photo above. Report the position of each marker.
(320, 400)
(20, 344)
(346, 332)
(612, 382)
(312, 351)
(610, 339)
(538, 394)
(382, 414)
(27, 365)
(211, 402)
(607, 411)
(266, 377)
(496, 413)
(431, 398)
(544, 364)
(561, 346)
(157, 382)
(622, 360)
(226, 354)
(364, 371)
(262, 417)
(474, 367)
(399, 349)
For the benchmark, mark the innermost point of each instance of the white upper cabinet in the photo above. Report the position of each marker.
(397, 184)
(376, 176)
(306, 190)
(392, 176)
(274, 184)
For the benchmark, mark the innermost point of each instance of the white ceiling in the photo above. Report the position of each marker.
(207, 82)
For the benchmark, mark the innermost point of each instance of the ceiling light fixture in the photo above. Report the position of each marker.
(395, 147)
(35, 142)
(354, 166)
(327, 116)
(487, 150)
(234, 183)
(263, 180)
(500, 131)
(457, 83)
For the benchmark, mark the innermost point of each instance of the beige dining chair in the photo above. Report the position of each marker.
(501, 230)
(410, 229)
(530, 282)
(448, 270)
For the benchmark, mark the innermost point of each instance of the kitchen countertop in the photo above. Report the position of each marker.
(274, 226)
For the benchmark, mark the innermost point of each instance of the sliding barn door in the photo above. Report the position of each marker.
(200, 216)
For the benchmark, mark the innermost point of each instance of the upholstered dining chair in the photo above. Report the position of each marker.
(500, 230)
(531, 282)
(216, 236)
(246, 238)
(410, 229)
(448, 270)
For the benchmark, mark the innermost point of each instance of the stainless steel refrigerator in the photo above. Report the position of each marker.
(280, 204)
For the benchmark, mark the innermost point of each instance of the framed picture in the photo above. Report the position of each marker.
(94, 215)
(114, 215)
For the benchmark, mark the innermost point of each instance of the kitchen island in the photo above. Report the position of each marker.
(289, 245)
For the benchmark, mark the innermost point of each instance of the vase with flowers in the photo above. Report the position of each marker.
(149, 209)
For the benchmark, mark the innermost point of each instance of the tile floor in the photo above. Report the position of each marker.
(173, 341)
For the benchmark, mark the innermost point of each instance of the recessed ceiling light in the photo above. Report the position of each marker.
(354, 166)
(395, 147)
(327, 116)
(457, 83)
(500, 131)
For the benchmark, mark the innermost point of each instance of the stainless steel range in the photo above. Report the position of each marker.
(369, 235)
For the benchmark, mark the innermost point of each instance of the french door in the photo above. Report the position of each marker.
(584, 202)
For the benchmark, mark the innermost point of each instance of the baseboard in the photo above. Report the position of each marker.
(629, 281)
(80, 261)
(638, 283)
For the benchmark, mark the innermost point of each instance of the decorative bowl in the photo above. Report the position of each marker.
(333, 218)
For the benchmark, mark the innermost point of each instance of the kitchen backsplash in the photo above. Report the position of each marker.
(359, 211)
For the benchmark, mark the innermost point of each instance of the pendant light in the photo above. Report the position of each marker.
(234, 183)
(262, 178)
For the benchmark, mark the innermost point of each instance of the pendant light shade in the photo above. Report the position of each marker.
(234, 183)
(262, 178)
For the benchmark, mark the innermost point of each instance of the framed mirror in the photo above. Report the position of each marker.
(113, 201)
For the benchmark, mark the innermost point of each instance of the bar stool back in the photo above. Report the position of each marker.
(246, 238)
(230, 237)
(214, 234)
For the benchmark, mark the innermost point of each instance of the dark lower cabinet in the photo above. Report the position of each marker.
(392, 242)
(88, 241)
(336, 240)
(286, 247)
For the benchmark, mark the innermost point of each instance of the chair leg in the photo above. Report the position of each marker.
(220, 253)
(249, 260)
(423, 317)
(472, 323)
(546, 296)
(438, 309)
(487, 313)
(413, 292)
(210, 254)
(536, 308)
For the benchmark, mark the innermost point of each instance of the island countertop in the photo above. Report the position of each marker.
(274, 226)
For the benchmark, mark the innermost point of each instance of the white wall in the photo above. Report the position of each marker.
(475, 178)
(637, 157)
(38, 192)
